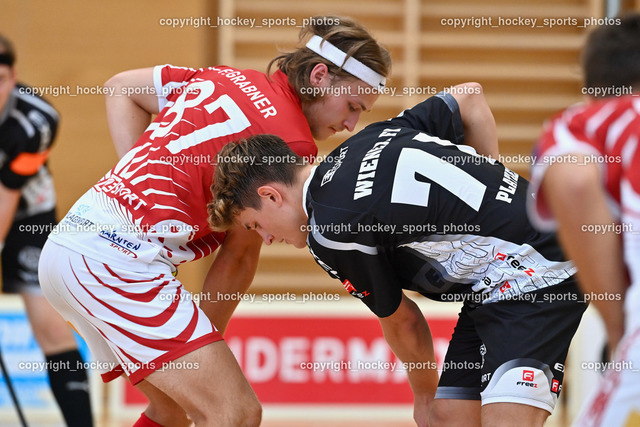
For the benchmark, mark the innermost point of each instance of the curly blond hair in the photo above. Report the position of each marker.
(241, 168)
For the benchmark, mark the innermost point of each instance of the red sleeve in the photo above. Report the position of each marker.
(306, 149)
(167, 79)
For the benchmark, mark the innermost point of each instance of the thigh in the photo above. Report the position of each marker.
(51, 331)
(162, 409)
(457, 399)
(207, 382)
(461, 369)
(145, 319)
(513, 414)
(526, 343)
(454, 413)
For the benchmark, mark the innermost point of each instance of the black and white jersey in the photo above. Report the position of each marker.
(28, 127)
(399, 206)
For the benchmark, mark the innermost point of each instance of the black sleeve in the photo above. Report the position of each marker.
(438, 115)
(363, 267)
(23, 160)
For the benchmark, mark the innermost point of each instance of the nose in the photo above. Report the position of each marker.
(268, 238)
(350, 122)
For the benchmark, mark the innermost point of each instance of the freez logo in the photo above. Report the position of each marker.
(510, 259)
(555, 386)
(352, 290)
(527, 379)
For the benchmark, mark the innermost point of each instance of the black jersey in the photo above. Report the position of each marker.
(399, 206)
(28, 126)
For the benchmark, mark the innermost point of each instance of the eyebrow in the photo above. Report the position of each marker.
(362, 106)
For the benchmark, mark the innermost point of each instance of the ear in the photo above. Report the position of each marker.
(320, 76)
(270, 194)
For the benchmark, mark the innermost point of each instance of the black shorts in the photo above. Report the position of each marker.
(21, 252)
(513, 351)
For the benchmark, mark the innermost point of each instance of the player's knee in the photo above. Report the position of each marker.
(438, 415)
(253, 415)
(248, 416)
(54, 338)
(245, 412)
(249, 413)
(168, 415)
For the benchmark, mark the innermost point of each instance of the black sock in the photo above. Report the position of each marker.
(70, 387)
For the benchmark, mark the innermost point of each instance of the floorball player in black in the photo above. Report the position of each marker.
(404, 205)
(28, 126)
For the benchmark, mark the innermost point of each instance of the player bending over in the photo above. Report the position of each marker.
(398, 206)
(588, 182)
(108, 267)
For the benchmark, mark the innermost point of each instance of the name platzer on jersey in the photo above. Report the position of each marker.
(511, 179)
(370, 163)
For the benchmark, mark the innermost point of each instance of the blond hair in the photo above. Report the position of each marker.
(345, 34)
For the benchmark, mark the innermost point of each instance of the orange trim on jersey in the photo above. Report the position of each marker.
(28, 163)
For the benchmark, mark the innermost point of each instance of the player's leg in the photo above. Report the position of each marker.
(162, 409)
(146, 325)
(616, 400)
(512, 414)
(526, 341)
(457, 400)
(51, 331)
(454, 413)
(210, 386)
(65, 367)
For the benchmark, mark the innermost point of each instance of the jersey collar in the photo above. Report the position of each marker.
(9, 106)
(282, 80)
(305, 188)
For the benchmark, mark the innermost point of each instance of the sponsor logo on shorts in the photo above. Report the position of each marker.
(527, 379)
(352, 290)
(559, 367)
(555, 386)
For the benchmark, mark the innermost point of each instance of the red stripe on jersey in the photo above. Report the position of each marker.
(166, 344)
(610, 128)
(154, 321)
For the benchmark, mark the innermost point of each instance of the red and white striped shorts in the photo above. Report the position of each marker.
(133, 322)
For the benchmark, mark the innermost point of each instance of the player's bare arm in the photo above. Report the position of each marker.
(9, 199)
(409, 336)
(231, 273)
(131, 106)
(576, 197)
(479, 125)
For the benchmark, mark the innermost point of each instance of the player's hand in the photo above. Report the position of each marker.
(421, 408)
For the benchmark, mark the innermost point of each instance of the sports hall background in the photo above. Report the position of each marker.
(528, 72)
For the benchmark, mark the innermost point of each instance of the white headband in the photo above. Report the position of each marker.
(351, 65)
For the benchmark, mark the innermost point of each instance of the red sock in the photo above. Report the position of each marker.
(144, 421)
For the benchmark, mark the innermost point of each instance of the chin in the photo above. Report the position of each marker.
(300, 245)
(321, 134)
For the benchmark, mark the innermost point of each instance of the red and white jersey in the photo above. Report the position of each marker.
(607, 133)
(152, 205)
